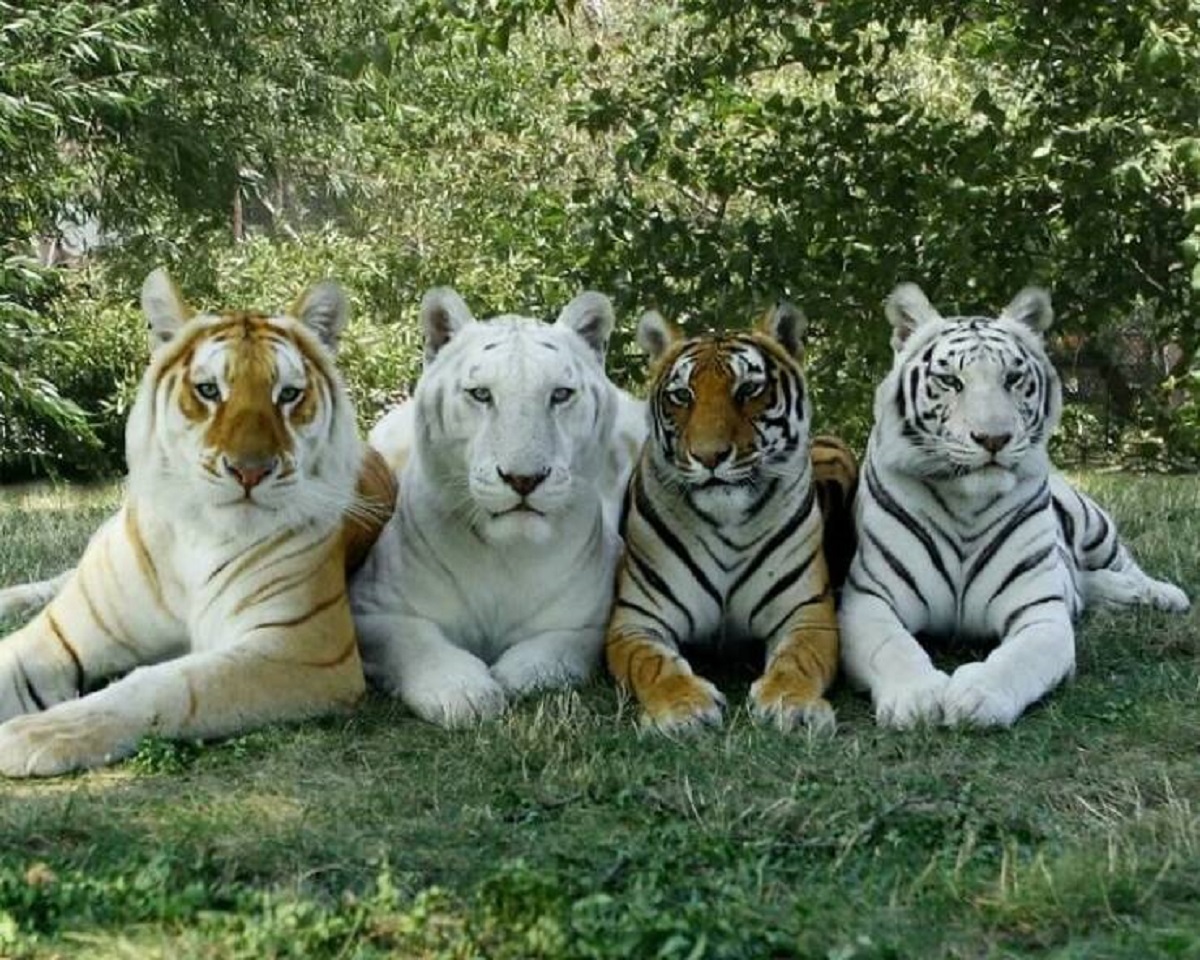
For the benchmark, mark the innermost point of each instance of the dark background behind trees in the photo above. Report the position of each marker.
(702, 157)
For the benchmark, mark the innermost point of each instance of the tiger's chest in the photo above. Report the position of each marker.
(958, 576)
(220, 589)
(738, 584)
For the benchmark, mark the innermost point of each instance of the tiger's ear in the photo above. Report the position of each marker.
(655, 334)
(164, 308)
(1031, 307)
(786, 323)
(907, 308)
(591, 316)
(325, 310)
(443, 314)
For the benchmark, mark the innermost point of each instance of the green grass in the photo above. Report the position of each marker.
(561, 831)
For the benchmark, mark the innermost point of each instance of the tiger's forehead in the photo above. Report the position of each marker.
(739, 357)
(969, 339)
(497, 345)
(250, 348)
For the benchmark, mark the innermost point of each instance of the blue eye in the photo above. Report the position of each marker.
(208, 390)
(949, 381)
(480, 394)
(290, 394)
(561, 395)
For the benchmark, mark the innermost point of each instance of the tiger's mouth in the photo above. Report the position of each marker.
(521, 507)
(713, 483)
(248, 502)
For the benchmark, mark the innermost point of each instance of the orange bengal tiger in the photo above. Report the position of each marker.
(219, 586)
(723, 528)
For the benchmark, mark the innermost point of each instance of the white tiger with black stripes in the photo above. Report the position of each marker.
(495, 575)
(964, 530)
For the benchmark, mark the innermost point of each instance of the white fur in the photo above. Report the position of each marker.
(933, 506)
(468, 600)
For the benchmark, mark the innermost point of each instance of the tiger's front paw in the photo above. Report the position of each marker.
(528, 667)
(969, 699)
(459, 693)
(903, 707)
(682, 703)
(54, 742)
(772, 701)
(1168, 597)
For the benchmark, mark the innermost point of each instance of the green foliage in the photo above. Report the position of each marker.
(703, 157)
(70, 81)
(39, 428)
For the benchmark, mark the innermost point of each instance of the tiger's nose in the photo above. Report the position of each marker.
(992, 442)
(523, 483)
(250, 472)
(711, 456)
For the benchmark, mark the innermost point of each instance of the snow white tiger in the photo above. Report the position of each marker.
(723, 528)
(965, 530)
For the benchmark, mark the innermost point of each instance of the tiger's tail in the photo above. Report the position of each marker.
(835, 479)
(26, 598)
(1107, 574)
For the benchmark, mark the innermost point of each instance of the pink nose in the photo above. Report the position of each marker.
(712, 456)
(251, 472)
(992, 442)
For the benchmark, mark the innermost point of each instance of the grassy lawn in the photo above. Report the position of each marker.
(561, 831)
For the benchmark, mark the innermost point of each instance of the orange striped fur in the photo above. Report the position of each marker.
(723, 531)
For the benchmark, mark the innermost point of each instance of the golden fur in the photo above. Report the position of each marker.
(221, 581)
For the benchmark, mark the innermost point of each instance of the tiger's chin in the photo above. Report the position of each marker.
(231, 514)
(725, 502)
(517, 527)
(248, 518)
(988, 481)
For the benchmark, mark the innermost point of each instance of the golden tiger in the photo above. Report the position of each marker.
(219, 586)
(723, 528)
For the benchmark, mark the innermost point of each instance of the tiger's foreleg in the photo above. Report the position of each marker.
(802, 660)
(107, 618)
(268, 675)
(412, 658)
(880, 654)
(673, 699)
(1035, 656)
(556, 658)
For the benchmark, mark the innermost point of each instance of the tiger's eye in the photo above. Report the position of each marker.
(290, 394)
(480, 394)
(561, 395)
(680, 396)
(208, 390)
(748, 391)
(949, 381)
